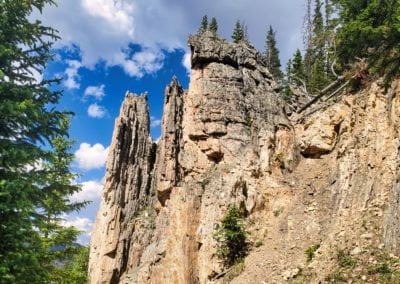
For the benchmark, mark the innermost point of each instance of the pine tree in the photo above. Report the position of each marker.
(297, 70)
(287, 91)
(204, 24)
(308, 36)
(370, 29)
(245, 33)
(272, 55)
(315, 54)
(232, 236)
(330, 51)
(29, 128)
(238, 33)
(214, 26)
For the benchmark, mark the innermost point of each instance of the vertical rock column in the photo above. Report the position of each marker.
(167, 173)
(119, 228)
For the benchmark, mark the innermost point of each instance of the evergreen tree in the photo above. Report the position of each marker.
(289, 71)
(232, 236)
(297, 69)
(272, 55)
(238, 33)
(32, 132)
(287, 91)
(245, 33)
(204, 24)
(370, 29)
(214, 26)
(308, 36)
(330, 39)
(315, 54)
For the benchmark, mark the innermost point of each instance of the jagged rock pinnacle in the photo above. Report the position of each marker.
(331, 180)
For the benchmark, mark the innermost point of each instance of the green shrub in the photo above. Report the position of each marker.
(310, 252)
(232, 237)
(335, 277)
(235, 271)
(380, 268)
(345, 260)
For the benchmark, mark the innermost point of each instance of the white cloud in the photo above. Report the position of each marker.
(96, 111)
(82, 224)
(91, 157)
(37, 166)
(154, 122)
(91, 191)
(37, 76)
(143, 62)
(95, 91)
(186, 62)
(103, 29)
(71, 82)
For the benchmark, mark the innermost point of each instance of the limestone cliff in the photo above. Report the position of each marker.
(329, 180)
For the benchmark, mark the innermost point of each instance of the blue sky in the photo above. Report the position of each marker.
(111, 46)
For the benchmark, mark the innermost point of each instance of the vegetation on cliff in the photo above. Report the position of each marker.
(232, 236)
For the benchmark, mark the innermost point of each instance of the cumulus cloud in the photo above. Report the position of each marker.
(96, 111)
(140, 63)
(37, 166)
(186, 62)
(91, 157)
(37, 76)
(95, 91)
(154, 122)
(82, 224)
(103, 29)
(71, 82)
(91, 191)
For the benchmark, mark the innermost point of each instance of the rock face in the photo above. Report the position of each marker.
(118, 237)
(331, 180)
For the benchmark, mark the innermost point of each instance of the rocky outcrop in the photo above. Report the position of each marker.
(329, 182)
(207, 158)
(168, 172)
(119, 236)
(343, 197)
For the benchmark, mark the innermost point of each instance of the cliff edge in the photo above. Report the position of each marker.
(328, 182)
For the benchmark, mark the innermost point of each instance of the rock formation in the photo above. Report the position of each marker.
(330, 180)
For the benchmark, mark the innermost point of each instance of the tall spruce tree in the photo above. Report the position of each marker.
(204, 24)
(315, 54)
(287, 91)
(272, 55)
(214, 26)
(238, 33)
(330, 37)
(297, 69)
(245, 33)
(308, 36)
(35, 178)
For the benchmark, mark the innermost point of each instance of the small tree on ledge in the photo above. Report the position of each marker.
(214, 26)
(232, 237)
(238, 33)
(204, 24)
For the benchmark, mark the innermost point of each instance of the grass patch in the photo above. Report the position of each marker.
(380, 268)
(335, 277)
(234, 271)
(310, 252)
(345, 260)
